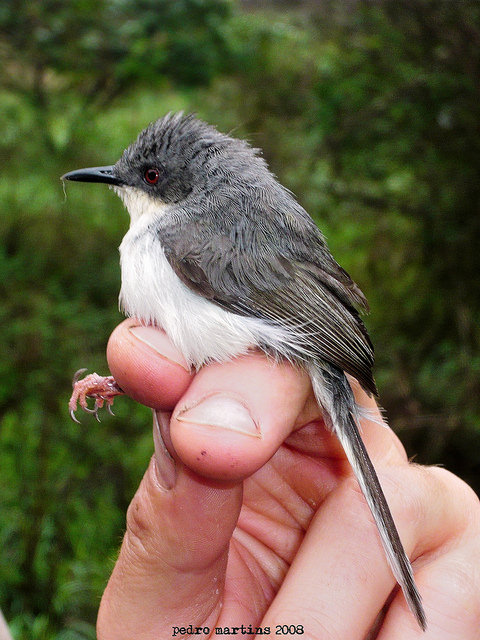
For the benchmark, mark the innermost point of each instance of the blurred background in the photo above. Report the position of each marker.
(368, 111)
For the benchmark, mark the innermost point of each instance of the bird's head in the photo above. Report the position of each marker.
(174, 157)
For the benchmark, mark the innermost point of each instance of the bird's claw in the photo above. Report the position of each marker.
(88, 410)
(102, 388)
(76, 376)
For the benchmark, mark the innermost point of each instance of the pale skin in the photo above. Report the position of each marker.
(257, 519)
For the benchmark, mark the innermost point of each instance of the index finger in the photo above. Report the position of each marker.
(231, 417)
(147, 366)
(152, 371)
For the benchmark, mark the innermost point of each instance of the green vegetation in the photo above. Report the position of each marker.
(369, 112)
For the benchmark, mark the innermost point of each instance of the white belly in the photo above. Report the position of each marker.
(202, 331)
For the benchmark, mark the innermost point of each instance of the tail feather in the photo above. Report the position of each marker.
(334, 395)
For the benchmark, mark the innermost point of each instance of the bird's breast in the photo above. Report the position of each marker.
(152, 292)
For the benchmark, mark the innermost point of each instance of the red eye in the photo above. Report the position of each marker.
(151, 176)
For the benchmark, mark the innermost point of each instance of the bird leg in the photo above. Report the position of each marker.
(102, 388)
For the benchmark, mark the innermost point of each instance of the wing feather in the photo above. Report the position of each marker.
(246, 272)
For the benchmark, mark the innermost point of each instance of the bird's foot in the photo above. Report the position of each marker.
(102, 388)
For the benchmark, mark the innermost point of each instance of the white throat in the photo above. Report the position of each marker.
(139, 204)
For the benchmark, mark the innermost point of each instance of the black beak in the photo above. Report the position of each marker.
(94, 174)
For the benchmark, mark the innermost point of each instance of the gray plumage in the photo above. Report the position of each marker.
(224, 258)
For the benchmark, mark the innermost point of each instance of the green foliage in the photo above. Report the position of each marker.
(64, 487)
(407, 155)
(369, 112)
(99, 46)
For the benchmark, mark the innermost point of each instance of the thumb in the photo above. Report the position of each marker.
(172, 562)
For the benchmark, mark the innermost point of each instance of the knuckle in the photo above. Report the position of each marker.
(137, 516)
(142, 532)
(137, 527)
(405, 496)
(459, 496)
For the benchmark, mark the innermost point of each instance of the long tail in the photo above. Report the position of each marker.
(334, 395)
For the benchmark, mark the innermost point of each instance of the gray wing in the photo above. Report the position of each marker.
(253, 270)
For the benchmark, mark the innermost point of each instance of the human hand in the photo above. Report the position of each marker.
(253, 518)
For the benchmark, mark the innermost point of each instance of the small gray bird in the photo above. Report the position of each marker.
(223, 258)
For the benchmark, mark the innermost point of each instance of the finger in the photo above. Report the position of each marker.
(340, 571)
(153, 372)
(167, 570)
(448, 576)
(153, 516)
(235, 415)
(253, 402)
(451, 596)
(172, 562)
(146, 365)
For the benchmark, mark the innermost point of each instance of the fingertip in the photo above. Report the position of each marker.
(234, 416)
(146, 365)
(217, 436)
